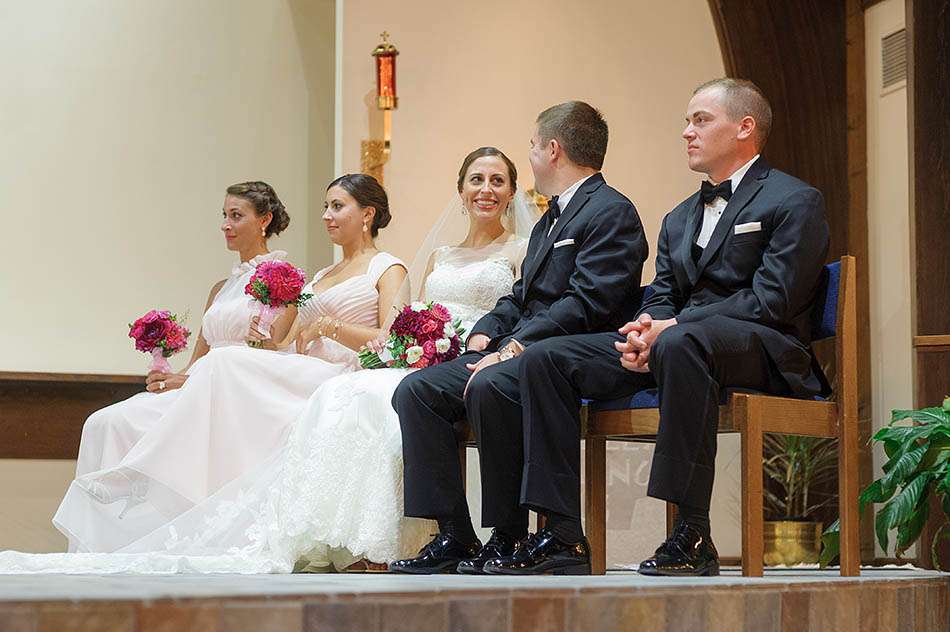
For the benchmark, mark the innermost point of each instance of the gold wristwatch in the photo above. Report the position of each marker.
(511, 350)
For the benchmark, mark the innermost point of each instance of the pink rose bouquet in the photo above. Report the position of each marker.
(422, 335)
(275, 285)
(162, 334)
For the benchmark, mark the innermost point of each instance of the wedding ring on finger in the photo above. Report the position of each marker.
(161, 385)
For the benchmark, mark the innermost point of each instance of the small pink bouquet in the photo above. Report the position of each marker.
(275, 285)
(422, 335)
(162, 334)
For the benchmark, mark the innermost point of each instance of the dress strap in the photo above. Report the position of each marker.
(379, 264)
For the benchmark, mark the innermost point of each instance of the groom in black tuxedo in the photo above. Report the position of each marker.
(581, 274)
(737, 269)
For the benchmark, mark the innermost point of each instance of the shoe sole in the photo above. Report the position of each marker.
(712, 571)
(573, 569)
(448, 570)
(469, 571)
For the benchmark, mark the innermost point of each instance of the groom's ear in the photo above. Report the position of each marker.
(747, 128)
(554, 149)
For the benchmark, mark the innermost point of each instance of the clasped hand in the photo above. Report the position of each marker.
(478, 342)
(641, 334)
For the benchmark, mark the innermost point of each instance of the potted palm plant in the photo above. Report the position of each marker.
(917, 445)
(797, 469)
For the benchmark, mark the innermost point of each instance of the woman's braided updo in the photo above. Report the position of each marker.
(265, 200)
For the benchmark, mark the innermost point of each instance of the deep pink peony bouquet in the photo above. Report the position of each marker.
(275, 285)
(422, 334)
(160, 333)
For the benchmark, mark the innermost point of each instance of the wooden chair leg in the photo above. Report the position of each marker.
(595, 507)
(850, 546)
(463, 453)
(670, 518)
(753, 538)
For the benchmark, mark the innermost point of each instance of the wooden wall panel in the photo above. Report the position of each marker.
(928, 110)
(41, 415)
(807, 56)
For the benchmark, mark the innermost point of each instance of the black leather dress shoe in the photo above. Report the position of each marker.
(687, 552)
(442, 555)
(498, 545)
(542, 553)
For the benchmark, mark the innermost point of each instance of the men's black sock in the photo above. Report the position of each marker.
(567, 529)
(515, 532)
(695, 517)
(459, 527)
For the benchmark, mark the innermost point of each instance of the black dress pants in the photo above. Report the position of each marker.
(429, 402)
(690, 363)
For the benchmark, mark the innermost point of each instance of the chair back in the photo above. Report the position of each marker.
(824, 315)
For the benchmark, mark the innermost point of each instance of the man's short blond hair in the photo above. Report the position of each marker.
(743, 98)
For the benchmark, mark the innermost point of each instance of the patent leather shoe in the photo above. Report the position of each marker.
(543, 553)
(687, 552)
(498, 545)
(441, 555)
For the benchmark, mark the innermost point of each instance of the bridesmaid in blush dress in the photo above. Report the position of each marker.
(235, 408)
(252, 213)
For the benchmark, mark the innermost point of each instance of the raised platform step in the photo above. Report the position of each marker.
(783, 601)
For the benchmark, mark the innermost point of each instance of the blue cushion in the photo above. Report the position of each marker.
(650, 398)
(825, 313)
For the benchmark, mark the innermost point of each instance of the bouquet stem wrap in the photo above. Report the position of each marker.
(159, 363)
(266, 318)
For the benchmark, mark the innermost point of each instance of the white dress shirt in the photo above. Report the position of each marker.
(565, 198)
(713, 211)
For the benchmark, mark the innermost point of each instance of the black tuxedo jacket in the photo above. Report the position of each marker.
(582, 277)
(761, 266)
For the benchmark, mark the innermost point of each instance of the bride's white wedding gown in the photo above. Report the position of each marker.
(331, 495)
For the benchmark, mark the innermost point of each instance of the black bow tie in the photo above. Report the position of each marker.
(710, 192)
(553, 209)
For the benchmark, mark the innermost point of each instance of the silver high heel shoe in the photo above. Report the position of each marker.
(132, 490)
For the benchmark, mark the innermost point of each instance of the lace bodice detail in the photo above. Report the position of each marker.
(227, 320)
(355, 300)
(470, 289)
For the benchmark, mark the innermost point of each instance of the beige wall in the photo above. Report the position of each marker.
(888, 228)
(473, 74)
(123, 123)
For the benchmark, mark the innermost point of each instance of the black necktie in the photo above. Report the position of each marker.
(710, 192)
(553, 209)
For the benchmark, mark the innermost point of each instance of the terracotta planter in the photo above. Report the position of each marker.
(791, 542)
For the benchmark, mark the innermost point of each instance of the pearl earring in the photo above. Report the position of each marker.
(263, 232)
(365, 227)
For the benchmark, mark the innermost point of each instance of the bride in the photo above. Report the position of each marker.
(333, 495)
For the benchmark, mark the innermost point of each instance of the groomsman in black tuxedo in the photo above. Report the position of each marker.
(581, 274)
(737, 269)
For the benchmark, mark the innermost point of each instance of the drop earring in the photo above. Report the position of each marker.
(365, 227)
(263, 232)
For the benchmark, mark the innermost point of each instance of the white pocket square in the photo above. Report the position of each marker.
(751, 227)
(564, 242)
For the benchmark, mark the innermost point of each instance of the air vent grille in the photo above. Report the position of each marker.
(894, 58)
